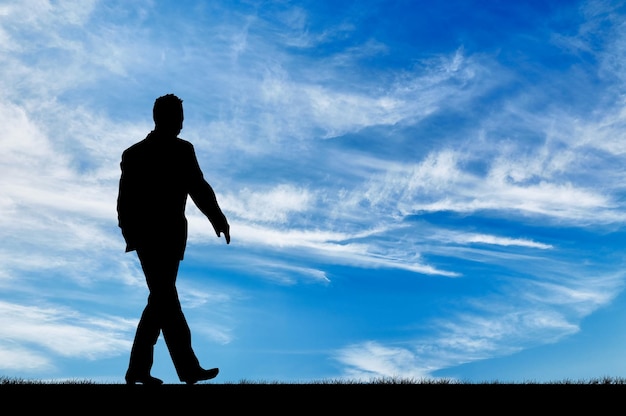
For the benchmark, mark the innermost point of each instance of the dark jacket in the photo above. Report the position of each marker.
(158, 173)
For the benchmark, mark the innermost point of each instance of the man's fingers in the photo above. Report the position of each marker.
(226, 236)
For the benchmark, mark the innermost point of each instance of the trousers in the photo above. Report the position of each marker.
(163, 313)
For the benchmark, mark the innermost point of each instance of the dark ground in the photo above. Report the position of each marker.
(296, 399)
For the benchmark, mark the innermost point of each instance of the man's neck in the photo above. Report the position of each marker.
(164, 134)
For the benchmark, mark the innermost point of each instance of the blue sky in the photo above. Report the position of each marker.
(415, 189)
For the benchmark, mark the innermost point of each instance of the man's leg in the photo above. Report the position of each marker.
(142, 352)
(146, 336)
(165, 313)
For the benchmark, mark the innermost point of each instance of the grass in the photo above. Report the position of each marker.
(374, 381)
(389, 395)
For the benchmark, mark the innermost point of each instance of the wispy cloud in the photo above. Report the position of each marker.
(33, 332)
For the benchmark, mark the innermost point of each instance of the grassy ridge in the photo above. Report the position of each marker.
(386, 396)
(374, 381)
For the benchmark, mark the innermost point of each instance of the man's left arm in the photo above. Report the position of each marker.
(204, 197)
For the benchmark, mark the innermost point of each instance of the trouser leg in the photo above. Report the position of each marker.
(164, 313)
(142, 352)
(177, 337)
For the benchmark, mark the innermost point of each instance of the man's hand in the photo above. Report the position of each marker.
(226, 231)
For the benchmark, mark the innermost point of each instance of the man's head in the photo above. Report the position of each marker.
(168, 114)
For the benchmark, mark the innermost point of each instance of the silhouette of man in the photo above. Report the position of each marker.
(158, 173)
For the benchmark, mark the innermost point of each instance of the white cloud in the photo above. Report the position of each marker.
(371, 360)
(22, 359)
(439, 183)
(540, 311)
(282, 272)
(502, 241)
(60, 331)
(276, 204)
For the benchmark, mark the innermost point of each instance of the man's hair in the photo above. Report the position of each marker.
(166, 108)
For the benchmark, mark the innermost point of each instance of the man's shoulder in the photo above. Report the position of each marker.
(183, 143)
(147, 146)
(136, 147)
(183, 148)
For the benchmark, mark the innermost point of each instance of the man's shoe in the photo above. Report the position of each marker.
(147, 380)
(202, 375)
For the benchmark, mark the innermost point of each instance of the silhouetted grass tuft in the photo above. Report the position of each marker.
(17, 380)
(606, 380)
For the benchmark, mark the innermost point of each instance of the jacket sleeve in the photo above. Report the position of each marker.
(203, 195)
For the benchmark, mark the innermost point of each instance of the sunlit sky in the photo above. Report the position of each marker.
(415, 189)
